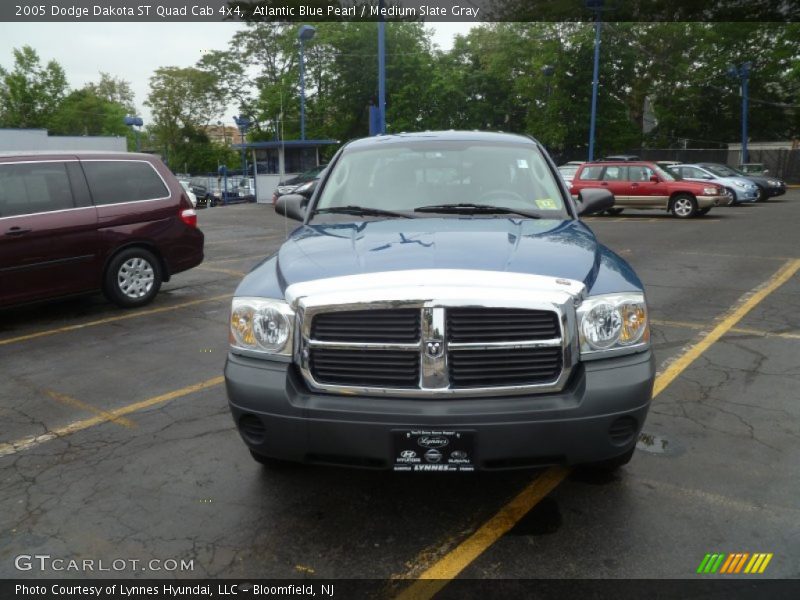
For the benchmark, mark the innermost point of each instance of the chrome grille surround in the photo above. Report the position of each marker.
(432, 291)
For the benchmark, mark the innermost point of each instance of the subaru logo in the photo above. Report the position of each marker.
(434, 349)
(433, 456)
(408, 454)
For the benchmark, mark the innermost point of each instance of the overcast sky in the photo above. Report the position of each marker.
(132, 51)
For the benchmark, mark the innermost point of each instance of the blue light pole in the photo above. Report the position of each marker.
(305, 33)
(743, 73)
(381, 71)
(243, 123)
(596, 6)
(135, 121)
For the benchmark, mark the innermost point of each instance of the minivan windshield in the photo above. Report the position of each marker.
(452, 175)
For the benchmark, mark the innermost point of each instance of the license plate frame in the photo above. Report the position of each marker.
(438, 450)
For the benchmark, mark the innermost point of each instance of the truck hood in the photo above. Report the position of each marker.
(566, 249)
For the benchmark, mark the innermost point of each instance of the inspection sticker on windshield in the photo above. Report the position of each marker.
(546, 204)
(522, 163)
(433, 450)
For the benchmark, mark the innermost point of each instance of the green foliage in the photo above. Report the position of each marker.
(83, 112)
(30, 93)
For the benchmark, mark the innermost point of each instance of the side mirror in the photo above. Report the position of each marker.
(292, 206)
(766, 171)
(655, 178)
(594, 200)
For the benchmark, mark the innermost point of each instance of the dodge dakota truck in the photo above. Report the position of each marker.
(442, 307)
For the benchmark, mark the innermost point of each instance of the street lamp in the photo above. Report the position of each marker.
(135, 121)
(381, 70)
(596, 6)
(548, 71)
(243, 123)
(743, 73)
(305, 33)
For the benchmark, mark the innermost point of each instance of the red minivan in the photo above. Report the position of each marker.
(72, 223)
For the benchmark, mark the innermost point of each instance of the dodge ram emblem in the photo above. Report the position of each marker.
(434, 349)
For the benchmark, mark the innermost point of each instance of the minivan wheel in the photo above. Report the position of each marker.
(684, 206)
(133, 278)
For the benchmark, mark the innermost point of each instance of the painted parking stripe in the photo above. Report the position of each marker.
(27, 443)
(436, 577)
(123, 317)
(787, 335)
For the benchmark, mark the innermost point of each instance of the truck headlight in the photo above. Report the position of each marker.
(613, 323)
(261, 326)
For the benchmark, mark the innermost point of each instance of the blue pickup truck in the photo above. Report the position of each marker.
(441, 308)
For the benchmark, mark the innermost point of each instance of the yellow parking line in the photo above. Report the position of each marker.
(736, 314)
(745, 330)
(27, 443)
(435, 577)
(122, 317)
(74, 402)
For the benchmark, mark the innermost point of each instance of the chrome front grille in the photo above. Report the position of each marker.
(424, 350)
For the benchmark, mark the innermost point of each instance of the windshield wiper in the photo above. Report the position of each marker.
(362, 210)
(470, 208)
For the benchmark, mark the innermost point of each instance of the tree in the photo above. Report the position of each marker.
(83, 112)
(113, 89)
(30, 93)
(183, 102)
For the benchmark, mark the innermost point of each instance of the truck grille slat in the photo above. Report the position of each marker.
(500, 325)
(481, 368)
(400, 325)
(376, 368)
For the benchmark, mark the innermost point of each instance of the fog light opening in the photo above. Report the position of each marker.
(252, 429)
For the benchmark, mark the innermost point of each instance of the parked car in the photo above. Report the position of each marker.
(306, 189)
(73, 223)
(740, 189)
(620, 158)
(667, 164)
(755, 169)
(645, 185)
(569, 169)
(768, 186)
(442, 307)
(286, 186)
(188, 188)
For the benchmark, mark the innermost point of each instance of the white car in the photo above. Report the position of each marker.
(189, 192)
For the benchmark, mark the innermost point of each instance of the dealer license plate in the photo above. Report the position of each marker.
(435, 450)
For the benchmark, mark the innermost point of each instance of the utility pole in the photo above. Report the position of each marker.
(305, 33)
(381, 70)
(743, 73)
(596, 6)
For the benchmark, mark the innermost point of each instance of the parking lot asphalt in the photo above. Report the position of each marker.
(116, 441)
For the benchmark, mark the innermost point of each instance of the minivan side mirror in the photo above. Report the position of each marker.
(594, 200)
(292, 206)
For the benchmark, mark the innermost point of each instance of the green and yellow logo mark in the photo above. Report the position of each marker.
(729, 564)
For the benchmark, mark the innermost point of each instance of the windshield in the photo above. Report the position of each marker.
(404, 177)
(721, 171)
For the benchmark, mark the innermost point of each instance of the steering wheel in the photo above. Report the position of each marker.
(500, 193)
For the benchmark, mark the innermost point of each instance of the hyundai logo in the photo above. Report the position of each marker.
(408, 454)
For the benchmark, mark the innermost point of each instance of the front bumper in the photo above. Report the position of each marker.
(745, 195)
(570, 427)
(712, 201)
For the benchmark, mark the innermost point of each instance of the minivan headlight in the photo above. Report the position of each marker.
(613, 324)
(262, 326)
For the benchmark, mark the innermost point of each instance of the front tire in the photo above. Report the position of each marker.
(684, 206)
(133, 278)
